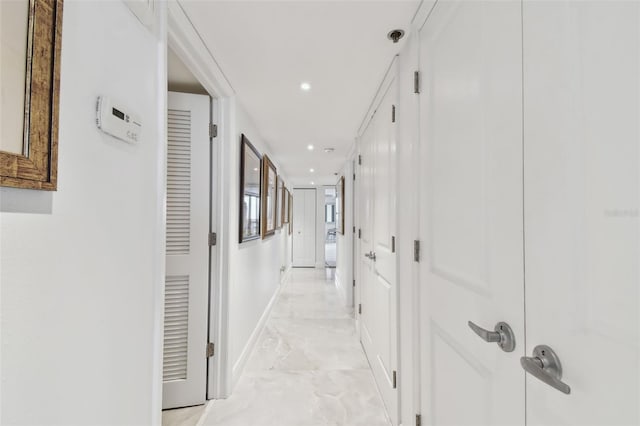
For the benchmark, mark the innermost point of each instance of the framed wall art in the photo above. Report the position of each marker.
(285, 205)
(290, 214)
(30, 42)
(339, 214)
(279, 203)
(269, 191)
(250, 191)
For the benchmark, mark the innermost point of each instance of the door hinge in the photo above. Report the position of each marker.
(354, 176)
(354, 283)
(418, 419)
(213, 130)
(213, 239)
(395, 382)
(360, 308)
(359, 159)
(393, 113)
(416, 82)
(354, 229)
(359, 233)
(416, 250)
(211, 349)
(393, 244)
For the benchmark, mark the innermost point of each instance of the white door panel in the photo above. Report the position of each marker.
(582, 107)
(471, 214)
(378, 221)
(304, 228)
(187, 264)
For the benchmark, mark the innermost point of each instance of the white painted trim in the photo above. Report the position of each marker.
(238, 367)
(389, 76)
(287, 273)
(225, 240)
(160, 221)
(187, 43)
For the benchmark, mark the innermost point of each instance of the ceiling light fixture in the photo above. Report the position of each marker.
(310, 147)
(305, 86)
(255, 169)
(311, 170)
(312, 183)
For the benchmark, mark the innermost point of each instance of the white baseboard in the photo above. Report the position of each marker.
(238, 367)
(285, 275)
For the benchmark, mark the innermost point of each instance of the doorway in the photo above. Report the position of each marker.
(304, 227)
(330, 253)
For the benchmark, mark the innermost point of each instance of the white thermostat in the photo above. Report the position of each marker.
(115, 120)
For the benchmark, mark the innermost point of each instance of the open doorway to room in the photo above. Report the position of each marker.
(330, 256)
(191, 254)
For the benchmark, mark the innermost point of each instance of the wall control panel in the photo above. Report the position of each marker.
(118, 121)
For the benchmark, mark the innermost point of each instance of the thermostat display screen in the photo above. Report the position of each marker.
(118, 114)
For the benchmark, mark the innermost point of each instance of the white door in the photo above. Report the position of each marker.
(582, 220)
(186, 286)
(379, 292)
(471, 212)
(304, 228)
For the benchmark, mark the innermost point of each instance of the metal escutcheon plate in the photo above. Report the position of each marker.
(508, 342)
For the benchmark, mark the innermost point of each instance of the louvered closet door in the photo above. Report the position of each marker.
(186, 286)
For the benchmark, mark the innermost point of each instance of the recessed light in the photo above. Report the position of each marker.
(255, 169)
(312, 183)
(305, 86)
(310, 147)
(311, 170)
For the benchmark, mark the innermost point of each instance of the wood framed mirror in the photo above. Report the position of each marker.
(30, 47)
(269, 198)
(250, 191)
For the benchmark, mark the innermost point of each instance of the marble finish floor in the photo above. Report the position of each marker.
(307, 369)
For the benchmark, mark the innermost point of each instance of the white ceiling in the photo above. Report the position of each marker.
(267, 48)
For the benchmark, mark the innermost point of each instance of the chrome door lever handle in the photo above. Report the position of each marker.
(545, 365)
(502, 335)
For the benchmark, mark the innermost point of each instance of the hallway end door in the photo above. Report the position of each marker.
(304, 227)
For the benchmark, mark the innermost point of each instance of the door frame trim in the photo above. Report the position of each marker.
(186, 42)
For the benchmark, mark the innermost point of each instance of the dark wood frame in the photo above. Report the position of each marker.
(279, 202)
(38, 168)
(340, 203)
(290, 214)
(268, 166)
(285, 205)
(244, 144)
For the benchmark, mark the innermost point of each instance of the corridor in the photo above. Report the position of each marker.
(307, 369)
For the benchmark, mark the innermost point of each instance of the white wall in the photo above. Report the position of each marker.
(81, 268)
(344, 266)
(254, 266)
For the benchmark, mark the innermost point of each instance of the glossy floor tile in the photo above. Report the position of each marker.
(308, 368)
(188, 416)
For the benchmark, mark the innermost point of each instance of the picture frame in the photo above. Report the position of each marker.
(29, 148)
(285, 205)
(340, 206)
(290, 214)
(250, 195)
(269, 198)
(279, 203)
